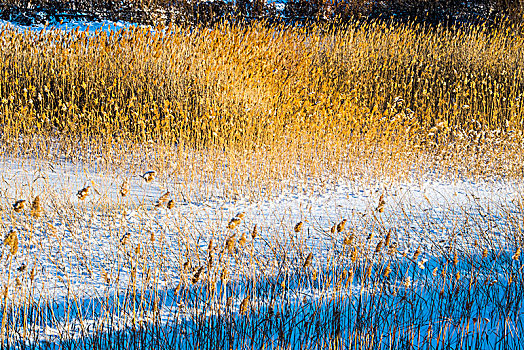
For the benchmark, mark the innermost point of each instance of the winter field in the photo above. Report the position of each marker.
(261, 188)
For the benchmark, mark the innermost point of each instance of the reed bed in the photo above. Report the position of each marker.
(158, 125)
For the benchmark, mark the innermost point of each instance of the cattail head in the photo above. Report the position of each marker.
(19, 205)
(83, 193)
(341, 225)
(254, 233)
(298, 227)
(36, 207)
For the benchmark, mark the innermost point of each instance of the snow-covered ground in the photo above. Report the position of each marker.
(94, 249)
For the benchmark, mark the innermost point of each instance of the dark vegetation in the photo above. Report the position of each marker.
(208, 12)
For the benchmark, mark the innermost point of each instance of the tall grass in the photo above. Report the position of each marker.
(263, 86)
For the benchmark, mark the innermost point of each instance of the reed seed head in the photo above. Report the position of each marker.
(149, 176)
(309, 258)
(19, 205)
(36, 207)
(341, 225)
(83, 193)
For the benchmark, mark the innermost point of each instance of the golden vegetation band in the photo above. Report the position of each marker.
(260, 84)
